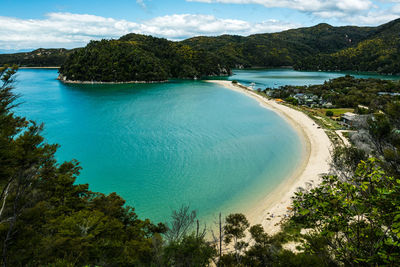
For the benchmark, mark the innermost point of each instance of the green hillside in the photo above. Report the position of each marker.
(38, 58)
(280, 49)
(136, 57)
(380, 52)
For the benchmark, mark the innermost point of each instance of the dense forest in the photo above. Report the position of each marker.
(144, 58)
(380, 52)
(38, 58)
(136, 57)
(280, 49)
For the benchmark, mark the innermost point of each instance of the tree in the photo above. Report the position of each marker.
(186, 245)
(182, 223)
(263, 251)
(47, 219)
(356, 221)
(329, 113)
(234, 229)
(191, 250)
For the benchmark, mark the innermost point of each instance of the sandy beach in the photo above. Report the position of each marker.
(316, 157)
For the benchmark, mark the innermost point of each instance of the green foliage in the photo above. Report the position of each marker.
(354, 220)
(182, 224)
(384, 132)
(135, 56)
(345, 160)
(263, 251)
(346, 92)
(47, 219)
(379, 52)
(140, 58)
(191, 250)
(38, 58)
(329, 113)
(185, 244)
(292, 100)
(236, 225)
(279, 49)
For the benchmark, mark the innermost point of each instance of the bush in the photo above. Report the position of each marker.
(329, 113)
(292, 100)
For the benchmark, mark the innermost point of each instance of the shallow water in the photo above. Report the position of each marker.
(274, 78)
(161, 146)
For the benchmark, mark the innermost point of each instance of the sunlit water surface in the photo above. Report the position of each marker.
(161, 146)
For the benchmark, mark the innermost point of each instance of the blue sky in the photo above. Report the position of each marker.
(27, 24)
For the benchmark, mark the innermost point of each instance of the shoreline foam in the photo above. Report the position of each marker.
(273, 207)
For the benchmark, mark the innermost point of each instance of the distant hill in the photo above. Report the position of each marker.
(38, 58)
(285, 48)
(380, 52)
(135, 56)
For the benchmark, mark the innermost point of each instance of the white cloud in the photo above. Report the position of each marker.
(302, 5)
(72, 30)
(374, 17)
(360, 12)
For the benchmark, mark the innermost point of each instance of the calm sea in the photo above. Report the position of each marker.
(161, 146)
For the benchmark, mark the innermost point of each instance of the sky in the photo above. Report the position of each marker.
(27, 24)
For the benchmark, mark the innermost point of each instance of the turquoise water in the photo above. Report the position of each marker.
(161, 146)
(274, 78)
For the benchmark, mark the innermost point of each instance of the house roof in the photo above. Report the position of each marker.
(349, 116)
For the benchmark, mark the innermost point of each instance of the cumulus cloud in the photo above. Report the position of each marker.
(303, 5)
(366, 12)
(73, 30)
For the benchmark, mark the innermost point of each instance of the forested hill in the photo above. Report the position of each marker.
(146, 58)
(281, 49)
(379, 52)
(38, 58)
(136, 57)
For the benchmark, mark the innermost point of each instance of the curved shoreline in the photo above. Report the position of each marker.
(95, 82)
(273, 207)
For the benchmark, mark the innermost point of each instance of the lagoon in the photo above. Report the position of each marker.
(161, 146)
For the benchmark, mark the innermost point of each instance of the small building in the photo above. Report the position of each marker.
(307, 99)
(349, 118)
(388, 93)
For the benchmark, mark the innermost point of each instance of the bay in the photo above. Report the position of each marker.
(161, 146)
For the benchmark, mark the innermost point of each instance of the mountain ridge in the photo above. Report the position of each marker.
(320, 47)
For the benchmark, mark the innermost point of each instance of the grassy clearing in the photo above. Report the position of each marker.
(336, 111)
